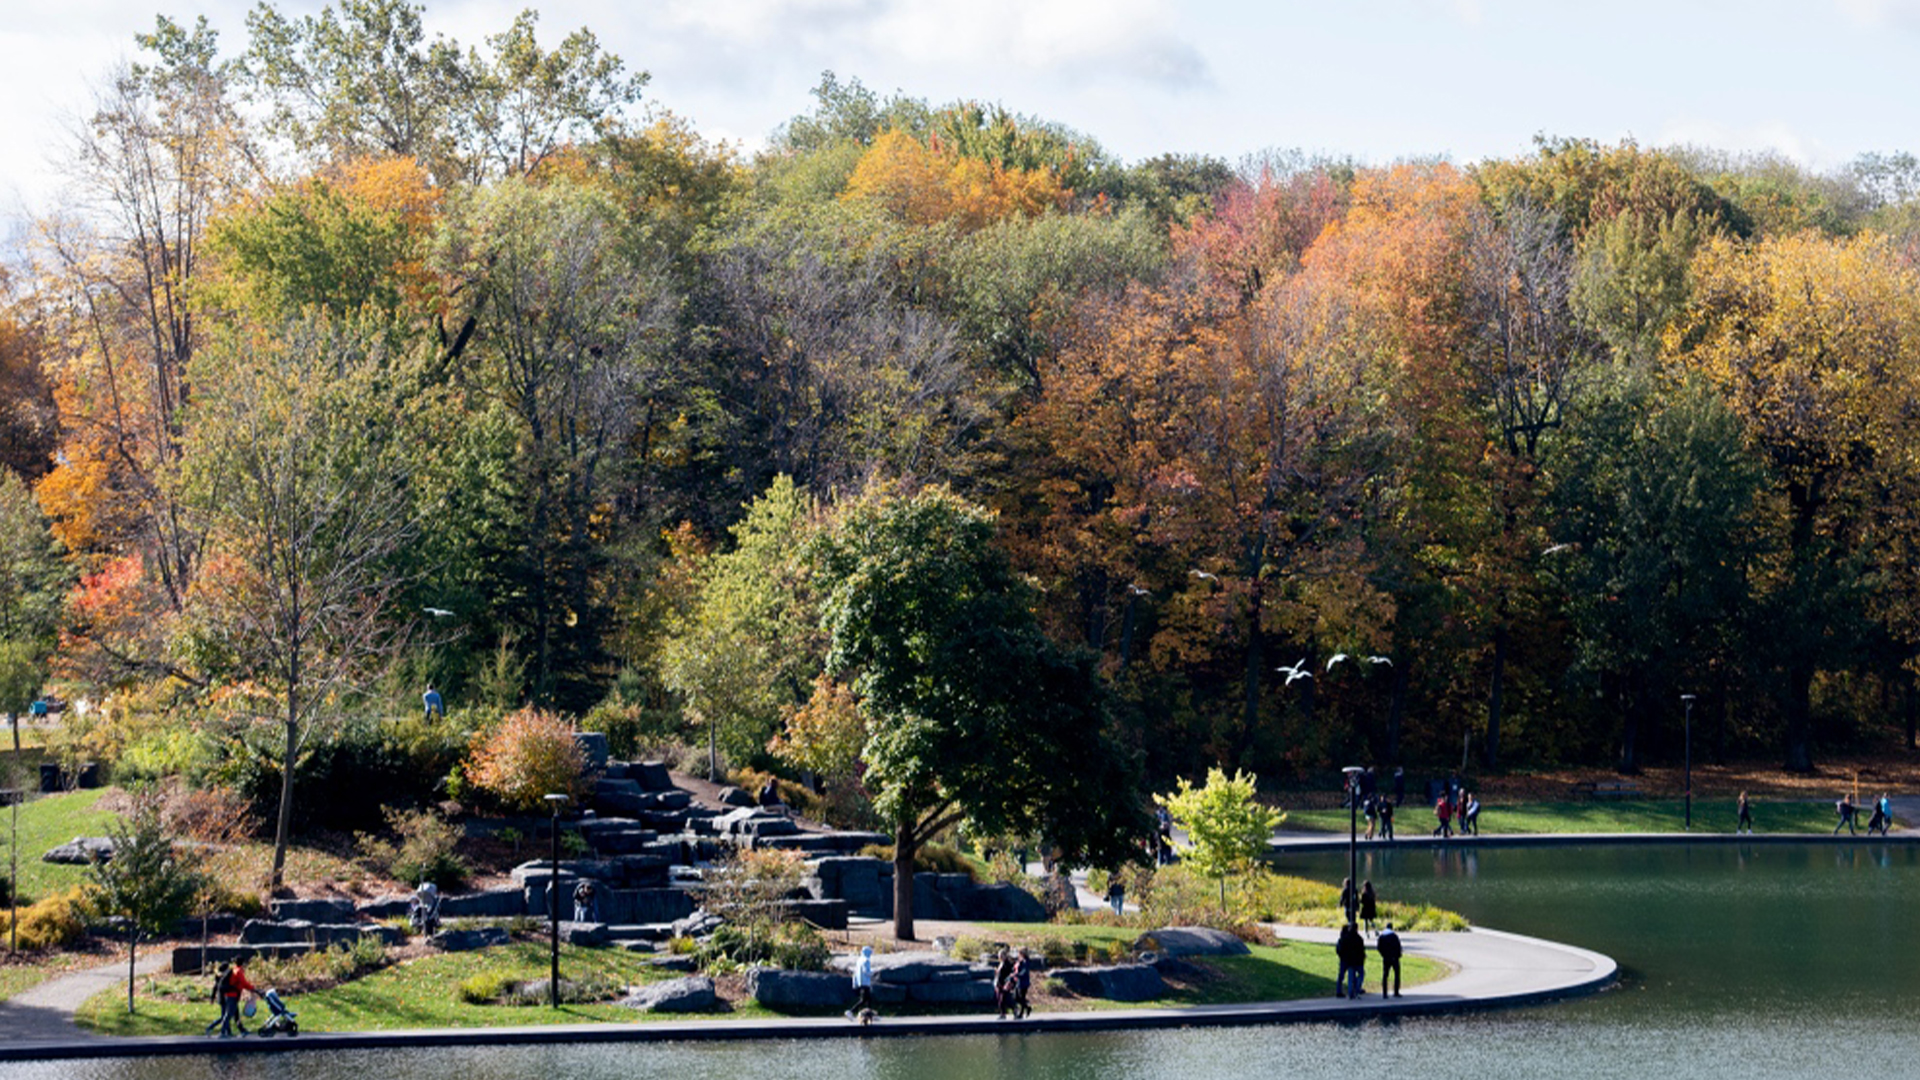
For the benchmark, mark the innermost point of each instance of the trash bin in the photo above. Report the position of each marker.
(49, 776)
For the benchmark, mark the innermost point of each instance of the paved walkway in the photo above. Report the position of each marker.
(45, 1012)
(1491, 969)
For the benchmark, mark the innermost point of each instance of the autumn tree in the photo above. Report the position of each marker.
(293, 467)
(1813, 343)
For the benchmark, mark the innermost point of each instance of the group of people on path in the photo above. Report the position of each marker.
(1880, 822)
(1012, 983)
(1351, 950)
(228, 986)
(1453, 804)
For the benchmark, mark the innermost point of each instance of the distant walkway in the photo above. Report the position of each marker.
(45, 1012)
(1491, 969)
(1311, 843)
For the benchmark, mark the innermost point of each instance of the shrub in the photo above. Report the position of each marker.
(426, 851)
(531, 754)
(938, 858)
(55, 922)
(797, 796)
(319, 969)
(800, 947)
(584, 990)
(207, 815)
(484, 988)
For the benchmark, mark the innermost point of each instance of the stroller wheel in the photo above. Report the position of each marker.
(292, 1029)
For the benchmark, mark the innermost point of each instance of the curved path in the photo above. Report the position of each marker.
(1490, 969)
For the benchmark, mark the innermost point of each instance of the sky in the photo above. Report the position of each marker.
(1820, 81)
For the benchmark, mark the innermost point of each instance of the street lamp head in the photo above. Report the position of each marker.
(1687, 697)
(1353, 770)
(556, 801)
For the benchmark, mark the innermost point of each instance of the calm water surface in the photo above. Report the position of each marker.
(1748, 962)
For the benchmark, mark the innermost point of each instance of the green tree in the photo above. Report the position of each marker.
(747, 653)
(971, 712)
(146, 882)
(1226, 826)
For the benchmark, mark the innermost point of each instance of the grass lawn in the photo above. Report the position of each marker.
(1283, 972)
(1649, 816)
(49, 821)
(422, 993)
(17, 977)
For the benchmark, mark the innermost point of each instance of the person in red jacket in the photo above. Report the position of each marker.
(231, 986)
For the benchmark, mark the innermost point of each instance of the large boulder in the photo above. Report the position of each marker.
(1004, 902)
(645, 905)
(318, 910)
(692, 993)
(907, 968)
(322, 935)
(593, 744)
(799, 991)
(651, 775)
(80, 851)
(187, 959)
(469, 940)
(1178, 941)
(1119, 982)
(588, 934)
(697, 924)
(733, 796)
(501, 903)
(389, 906)
(952, 992)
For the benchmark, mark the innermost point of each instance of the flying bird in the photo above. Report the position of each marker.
(1136, 590)
(437, 612)
(1379, 660)
(1334, 659)
(1557, 549)
(1202, 574)
(1297, 671)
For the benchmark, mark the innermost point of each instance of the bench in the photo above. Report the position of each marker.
(1607, 789)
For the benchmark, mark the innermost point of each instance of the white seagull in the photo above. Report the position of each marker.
(1297, 671)
(1136, 590)
(1557, 549)
(1201, 574)
(437, 612)
(1379, 660)
(1334, 659)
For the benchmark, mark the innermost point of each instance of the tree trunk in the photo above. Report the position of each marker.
(1490, 747)
(282, 829)
(905, 845)
(1397, 707)
(133, 950)
(1800, 718)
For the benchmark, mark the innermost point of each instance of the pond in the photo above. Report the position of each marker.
(1738, 960)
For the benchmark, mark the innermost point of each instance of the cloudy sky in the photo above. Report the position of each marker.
(1820, 80)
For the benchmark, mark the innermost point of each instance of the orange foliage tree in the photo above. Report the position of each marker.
(530, 755)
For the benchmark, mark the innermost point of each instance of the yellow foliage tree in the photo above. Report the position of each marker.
(530, 755)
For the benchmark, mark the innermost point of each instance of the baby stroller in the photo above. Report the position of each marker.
(282, 1021)
(424, 910)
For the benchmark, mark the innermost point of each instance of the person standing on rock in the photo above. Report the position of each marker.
(1389, 950)
(1351, 950)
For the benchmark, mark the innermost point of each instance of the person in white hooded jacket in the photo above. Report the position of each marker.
(862, 982)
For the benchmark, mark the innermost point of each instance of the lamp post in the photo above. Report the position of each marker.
(1687, 783)
(553, 898)
(1353, 838)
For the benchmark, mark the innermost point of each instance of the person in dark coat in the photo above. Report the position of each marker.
(1351, 949)
(1389, 949)
(1003, 984)
(1386, 820)
(1369, 905)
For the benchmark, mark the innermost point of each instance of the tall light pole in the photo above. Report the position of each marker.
(1688, 782)
(1353, 838)
(553, 898)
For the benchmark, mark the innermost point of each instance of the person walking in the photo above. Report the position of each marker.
(1885, 809)
(1003, 987)
(1022, 983)
(1389, 949)
(1470, 814)
(1372, 813)
(1369, 905)
(1348, 899)
(1443, 809)
(1351, 950)
(231, 987)
(434, 705)
(219, 998)
(862, 983)
(1386, 819)
(1117, 894)
(1846, 809)
(1744, 823)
